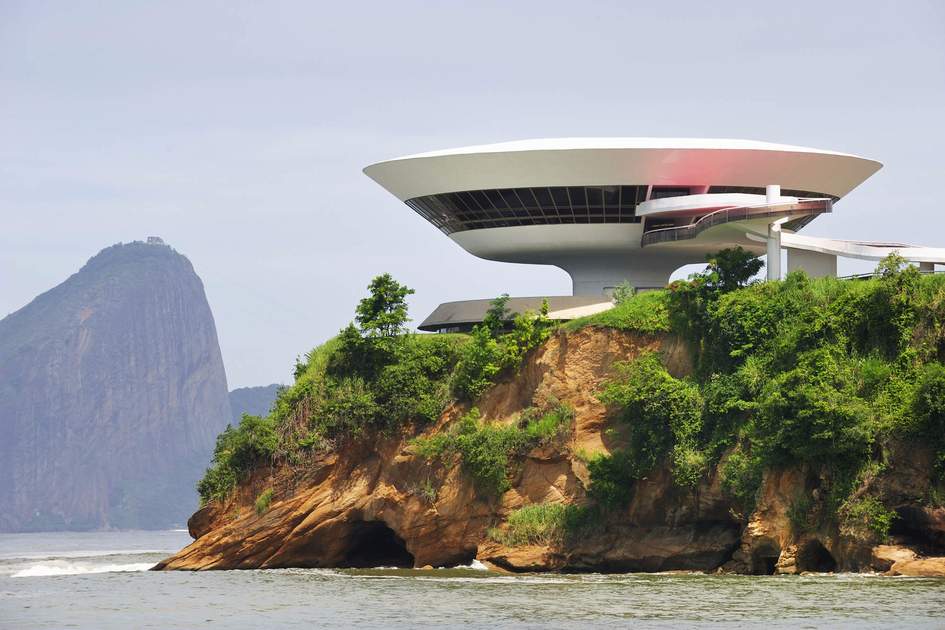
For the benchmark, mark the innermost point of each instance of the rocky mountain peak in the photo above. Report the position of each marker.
(112, 390)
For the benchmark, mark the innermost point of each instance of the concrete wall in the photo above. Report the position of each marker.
(816, 265)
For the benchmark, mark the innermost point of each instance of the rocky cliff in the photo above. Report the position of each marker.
(112, 392)
(377, 502)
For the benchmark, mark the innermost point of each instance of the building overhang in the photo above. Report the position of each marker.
(612, 161)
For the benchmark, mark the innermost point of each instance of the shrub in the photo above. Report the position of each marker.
(662, 412)
(727, 406)
(867, 517)
(216, 483)
(928, 408)
(486, 451)
(812, 414)
(692, 301)
(800, 516)
(689, 465)
(348, 410)
(490, 353)
(436, 446)
(623, 293)
(263, 501)
(480, 362)
(929, 402)
(410, 386)
(542, 428)
(415, 387)
(611, 479)
(237, 451)
(427, 491)
(740, 475)
(540, 524)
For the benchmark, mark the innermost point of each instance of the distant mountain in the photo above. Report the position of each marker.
(112, 392)
(252, 400)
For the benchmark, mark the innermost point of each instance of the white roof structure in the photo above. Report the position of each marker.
(614, 210)
(608, 161)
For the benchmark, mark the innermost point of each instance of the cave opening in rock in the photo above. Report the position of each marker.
(814, 557)
(764, 558)
(914, 527)
(374, 544)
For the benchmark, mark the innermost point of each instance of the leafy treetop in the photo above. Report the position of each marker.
(384, 312)
(730, 269)
(498, 316)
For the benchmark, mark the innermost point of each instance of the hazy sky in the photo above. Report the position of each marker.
(237, 131)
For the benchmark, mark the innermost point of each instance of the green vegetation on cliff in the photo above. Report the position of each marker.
(541, 524)
(644, 312)
(486, 451)
(238, 450)
(820, 373)
(376, 376)
(828, 376)
(491, 353)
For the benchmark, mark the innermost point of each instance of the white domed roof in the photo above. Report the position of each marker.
(615, 161)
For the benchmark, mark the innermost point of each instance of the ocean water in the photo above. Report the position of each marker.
(99, 580)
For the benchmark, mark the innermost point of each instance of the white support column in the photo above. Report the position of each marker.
(772, 193)
(773, 263)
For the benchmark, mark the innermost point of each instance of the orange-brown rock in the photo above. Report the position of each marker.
(364, 504)
(921, 567)
(885, 556)
(374, 503)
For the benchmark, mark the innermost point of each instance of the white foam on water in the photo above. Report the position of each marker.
(475, 565)
(46, 569)
(51, 555)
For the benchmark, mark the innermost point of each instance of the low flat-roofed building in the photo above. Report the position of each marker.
(463, 315)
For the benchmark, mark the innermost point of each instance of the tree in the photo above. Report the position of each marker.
(384, 312)
(730, 269)
(693, 301)
(498, 316)
(623, 292)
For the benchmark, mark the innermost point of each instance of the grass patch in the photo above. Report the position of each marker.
(263, 501)
(426, 490)
(541, 524)
(643, 312)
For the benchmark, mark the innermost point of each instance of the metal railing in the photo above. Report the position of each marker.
(802, 208)
(874, 274)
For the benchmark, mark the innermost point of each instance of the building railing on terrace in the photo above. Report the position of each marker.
(802, 208)
(873, 274)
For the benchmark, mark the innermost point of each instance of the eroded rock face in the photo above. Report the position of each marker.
(112, 392)
(370, 504)
(370, 491)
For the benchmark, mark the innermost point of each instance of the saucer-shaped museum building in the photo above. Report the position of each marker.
(615, 210)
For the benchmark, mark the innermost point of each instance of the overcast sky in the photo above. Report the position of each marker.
(237, 131)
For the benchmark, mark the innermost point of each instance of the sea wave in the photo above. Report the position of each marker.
(91, 553)
(62, 567)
